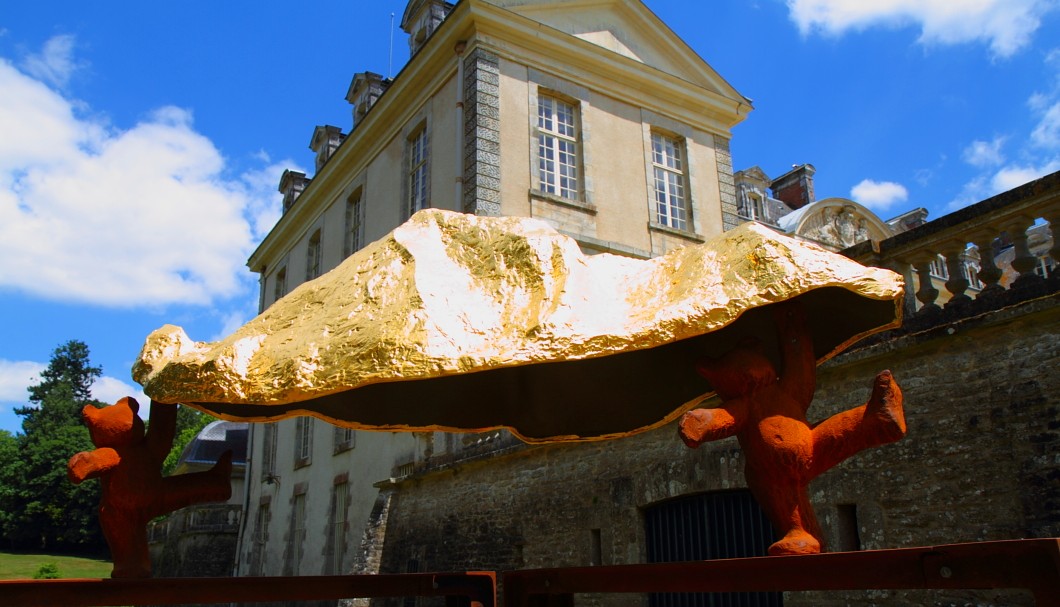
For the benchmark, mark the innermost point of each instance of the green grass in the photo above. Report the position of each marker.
(22, 565)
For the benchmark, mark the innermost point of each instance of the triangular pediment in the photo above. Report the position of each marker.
(628, 28)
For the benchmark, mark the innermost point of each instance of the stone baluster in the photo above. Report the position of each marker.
(1024, 262)
(907, 271)
(957, 284)
(1052, 215)
(926, 294)
(989, 274)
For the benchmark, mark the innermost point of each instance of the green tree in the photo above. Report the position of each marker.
(189, 423)
(43, 509)
(10, 475)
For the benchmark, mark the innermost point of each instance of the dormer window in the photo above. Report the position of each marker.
(326, 139)
(292, 184)
(364, 91)
(421, 18)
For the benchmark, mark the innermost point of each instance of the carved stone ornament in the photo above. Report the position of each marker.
(463, 323)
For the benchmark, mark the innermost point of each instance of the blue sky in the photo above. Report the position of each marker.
(141, 142)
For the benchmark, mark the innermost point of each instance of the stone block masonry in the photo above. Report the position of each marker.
(482, 173)
(981, 461)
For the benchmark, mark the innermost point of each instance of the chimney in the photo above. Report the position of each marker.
(292, 183)
(795, 188)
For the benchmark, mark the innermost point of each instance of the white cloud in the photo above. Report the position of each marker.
(1037, 154)
(55, 64)
(984, 153)
(1007, 25)
(110, 390)
(1005, 178)
(879, 195)
(142, 216)
(16, 376)
(1047, 132)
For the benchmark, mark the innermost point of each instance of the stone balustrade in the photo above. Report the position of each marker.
(1007, 241)
(206, 518)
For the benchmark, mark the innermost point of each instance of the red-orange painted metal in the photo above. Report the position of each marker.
(478, 589)
(1029, 564)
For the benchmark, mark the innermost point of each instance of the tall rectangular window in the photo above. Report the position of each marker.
(303, 450)
(354, 224)
(312, 259)
(262, 539)
(557, 147)
(344, 439)
(668, 165)
(268, 453)
(419, 171)
(339, 513)
(279, 286)
(297, 532)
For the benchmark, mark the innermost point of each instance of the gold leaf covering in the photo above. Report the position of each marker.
(464, 323)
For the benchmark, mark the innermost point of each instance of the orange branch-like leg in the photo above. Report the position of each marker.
(879, 421)
(704, 425)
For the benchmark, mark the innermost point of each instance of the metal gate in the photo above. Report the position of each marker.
(716, 525)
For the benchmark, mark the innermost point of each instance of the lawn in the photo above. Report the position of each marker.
(22, 565)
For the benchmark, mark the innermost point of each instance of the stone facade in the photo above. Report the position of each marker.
(482, 136)
(979, 463)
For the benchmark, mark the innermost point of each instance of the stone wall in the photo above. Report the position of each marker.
(981, 462)
(197, 541)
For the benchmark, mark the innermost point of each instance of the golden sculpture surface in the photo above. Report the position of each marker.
(463, 323)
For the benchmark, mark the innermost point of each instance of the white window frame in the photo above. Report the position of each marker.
(279, 285)
(340, 512)
(669, 160)
(354, 224)
(298, 531)
(268, 453)
(419, 170)
(345, 439)
(303, 443)
(314, 252)
(262, 539)
(558, 134)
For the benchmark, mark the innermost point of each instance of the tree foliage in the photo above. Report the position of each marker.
(39, 508)
(189, 423)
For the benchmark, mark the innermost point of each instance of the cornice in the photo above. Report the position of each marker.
(525, 41)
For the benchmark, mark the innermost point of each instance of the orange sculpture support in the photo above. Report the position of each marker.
(128, 462)
(766, 411)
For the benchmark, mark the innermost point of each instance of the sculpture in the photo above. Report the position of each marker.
(463, 323)
(128, 463)
(766, 411)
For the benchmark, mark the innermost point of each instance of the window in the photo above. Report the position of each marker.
(419, 171)
(339, 513)
(752, 207)
(279, 287)
(268, 455)
(312, 259)
(354, 224)
(345, 438)
(938, 267)
(668, 166)
(557, 147)
(297, 532)
(303, 440)
(262, 539)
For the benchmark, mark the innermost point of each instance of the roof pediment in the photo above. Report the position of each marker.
(836, 223)
(628, 28)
